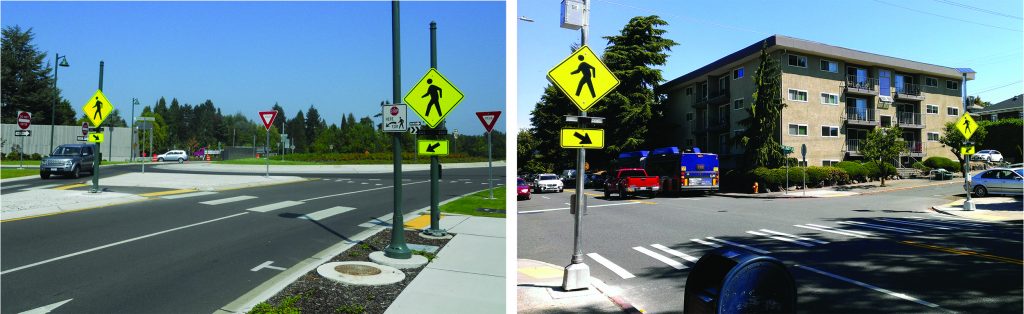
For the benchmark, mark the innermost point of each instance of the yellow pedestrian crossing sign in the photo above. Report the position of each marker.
(95, 137)
(97, 109)
(433, 98)
(583, 138)
(432, 147)
(966, 150)
(966, 125)
(583, 78)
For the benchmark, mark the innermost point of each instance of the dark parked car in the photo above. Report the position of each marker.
(68, 160)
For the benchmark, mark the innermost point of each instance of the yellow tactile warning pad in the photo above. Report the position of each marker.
(421, 222)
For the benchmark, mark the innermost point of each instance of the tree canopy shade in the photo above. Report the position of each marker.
(882, 146)
(27, 84)
(760, 136)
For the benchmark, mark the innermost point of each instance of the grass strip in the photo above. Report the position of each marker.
(468, 205)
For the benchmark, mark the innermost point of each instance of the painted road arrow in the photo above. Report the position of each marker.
(583, 138)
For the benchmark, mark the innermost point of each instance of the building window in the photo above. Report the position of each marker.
(952, 111)
(737, 104)
(689, 91)
(798, 61)
(828, 163)
(689, 116)
(798, 95)
(933, 136)
(952, 84)
(829, 99)
(829, 131)
(931, 81)
(932, 109)
(737, 73)
(829, 66)
(798, 129)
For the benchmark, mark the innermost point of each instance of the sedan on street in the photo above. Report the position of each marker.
(522, 189)
(998, 181)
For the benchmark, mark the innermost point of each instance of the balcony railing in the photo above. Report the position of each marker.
(909, 91)
(915, 148)
(722, 122)
(860, 84)
(718, 97)
(853, 147)
(862, 116)
(909, 120)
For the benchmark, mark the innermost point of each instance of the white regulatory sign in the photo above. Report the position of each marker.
(395, 118)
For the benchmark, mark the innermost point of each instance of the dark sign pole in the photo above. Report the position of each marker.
(96, 151)
(397, 248)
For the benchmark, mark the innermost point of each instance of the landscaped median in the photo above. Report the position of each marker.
(8, 169)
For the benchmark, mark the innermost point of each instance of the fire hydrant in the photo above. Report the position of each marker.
(755, 187)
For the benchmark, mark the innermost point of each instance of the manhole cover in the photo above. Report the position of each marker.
(357, 270)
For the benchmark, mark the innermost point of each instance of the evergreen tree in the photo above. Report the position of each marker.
(314, 124)
(281, 116)
(296, 130)
(763, 115)
(25, 81)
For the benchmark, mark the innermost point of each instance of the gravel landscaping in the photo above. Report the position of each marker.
(312, 293)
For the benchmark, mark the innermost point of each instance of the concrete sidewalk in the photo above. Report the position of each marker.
(848, 190)
(538, 290)
(986, 208)
(468, 274)
(314, 169)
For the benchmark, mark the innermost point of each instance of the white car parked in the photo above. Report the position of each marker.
(178, 155)
(989, 155)
(547, 183)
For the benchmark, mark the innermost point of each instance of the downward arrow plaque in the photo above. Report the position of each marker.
(583, 138)
(432, 147)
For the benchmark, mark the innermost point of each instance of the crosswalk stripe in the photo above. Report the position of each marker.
(320, 215)
(829, 230)
(274, 206)
(363, 183)
(228, 200)
(878, 227)
(177, 196)
(706, 243)
(622, 272)
(739, 245)
(662, 258)
(805, 244)
(674, 252)
(40, 187)
(14, 186)
(795, 236)
(919, 224)
(865, 233)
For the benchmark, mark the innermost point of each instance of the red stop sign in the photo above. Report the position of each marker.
(394, 110)
(24, 119)
(85, 128)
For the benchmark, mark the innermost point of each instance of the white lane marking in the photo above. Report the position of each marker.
(484, 183)
(878, 227)
(266, 265)
(14, 187)
(40, 187)
(545, 197)
(919, 224)
(228, 200)
(706, 243)
(805, 244)
(374, 179)
(564, 208)
(467, 182)
(323, 214)
(193, 194)
(662, 258)
(898, 295)
(46, 308)
(622, 272)
(338, 180)
(377, 184)
(864, 233)
(117, 243)
(795, 236)
(363, 183)
(360, 191)
(674, 252)
(829, 230)
(740, 245)
(274, 206)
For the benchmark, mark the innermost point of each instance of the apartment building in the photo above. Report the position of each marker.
(834, 97)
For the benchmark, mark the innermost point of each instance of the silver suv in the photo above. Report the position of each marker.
(177, 155)
(68, 160)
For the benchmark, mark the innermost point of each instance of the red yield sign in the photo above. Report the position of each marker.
(488, 118)
(268, 118)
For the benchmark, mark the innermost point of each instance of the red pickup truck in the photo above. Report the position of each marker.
(631, 181)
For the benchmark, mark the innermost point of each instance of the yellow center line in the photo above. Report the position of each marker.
(965, 252)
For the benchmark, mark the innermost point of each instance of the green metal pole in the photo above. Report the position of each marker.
(435, 164)
(96, 151)
(397, 248)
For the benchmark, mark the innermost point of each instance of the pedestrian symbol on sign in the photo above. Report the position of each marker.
(435, 97)
(98, 107)
(587, 72)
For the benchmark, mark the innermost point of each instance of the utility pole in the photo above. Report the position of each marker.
(577, 274)
(397, 248)
(435, 164)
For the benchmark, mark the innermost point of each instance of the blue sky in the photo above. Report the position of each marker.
(245, 56)
(708, 30)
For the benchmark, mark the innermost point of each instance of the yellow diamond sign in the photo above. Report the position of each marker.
(433, 98)
(583, 78)
(966, 125)
(97, 108)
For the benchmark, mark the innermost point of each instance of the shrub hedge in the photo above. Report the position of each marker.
(816, 176)
(854, 170)
(936, 162)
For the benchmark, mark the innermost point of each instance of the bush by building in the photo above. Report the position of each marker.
(854, 171)
(937, 162)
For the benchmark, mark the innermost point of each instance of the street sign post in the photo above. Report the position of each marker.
(582, 138)
(803, 154)
(488, 119)
(433, 98)
(268, 120)
(432, 147)
(146, 125)
(395, 118)
(24, 121)
(966, 126)
(583, 78)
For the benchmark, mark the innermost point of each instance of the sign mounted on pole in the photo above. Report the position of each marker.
(488, 119)
(24, 119)
(96, 137)
(432, 147)
(22, 132)
(97, 108)
(583, 78)
(966, 150)
(966, 125)
(433, 98)
(395, 118)
(583, 138)
(268, 118)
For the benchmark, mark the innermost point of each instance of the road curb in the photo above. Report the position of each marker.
(29, 177)
(741, 195)
(605, 290)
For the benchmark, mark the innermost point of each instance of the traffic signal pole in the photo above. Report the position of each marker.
(397, 248)
(577, 275)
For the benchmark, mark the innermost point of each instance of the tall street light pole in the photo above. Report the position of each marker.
(135, 102)
(59, 61)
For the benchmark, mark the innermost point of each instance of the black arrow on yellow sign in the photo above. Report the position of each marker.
(431, 147)
(584, 138)
(95, 137)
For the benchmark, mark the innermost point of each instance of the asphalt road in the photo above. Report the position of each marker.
(195, 254)
(931, 263)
